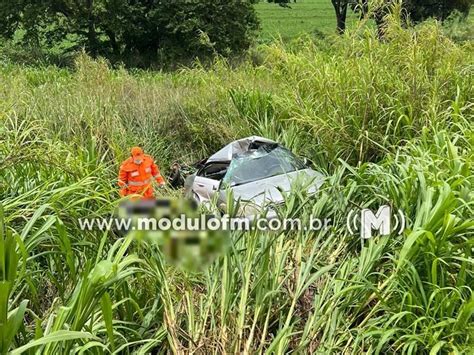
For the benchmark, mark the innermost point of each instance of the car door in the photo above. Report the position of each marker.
(205, 187)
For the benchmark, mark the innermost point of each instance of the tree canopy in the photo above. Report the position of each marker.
(174, 28)
(420, 10)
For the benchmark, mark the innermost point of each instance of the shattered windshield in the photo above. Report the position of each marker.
(262, 163)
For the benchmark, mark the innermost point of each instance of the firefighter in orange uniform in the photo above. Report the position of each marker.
(137, 174)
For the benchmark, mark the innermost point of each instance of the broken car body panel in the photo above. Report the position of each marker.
(240, 146)
(257, 170)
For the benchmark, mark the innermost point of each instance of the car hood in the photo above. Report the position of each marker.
(267, 190)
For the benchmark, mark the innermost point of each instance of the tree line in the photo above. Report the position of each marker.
(121, 28)
(170, 29)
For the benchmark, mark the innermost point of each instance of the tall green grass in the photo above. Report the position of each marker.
(387, 122)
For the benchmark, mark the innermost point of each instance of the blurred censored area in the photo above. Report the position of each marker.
(189, 248)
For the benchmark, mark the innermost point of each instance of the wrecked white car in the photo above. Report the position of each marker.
(259, 172)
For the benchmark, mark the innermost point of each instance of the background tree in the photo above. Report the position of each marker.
(340, 8)
(124, 27)
(417, 10)
(420, 10)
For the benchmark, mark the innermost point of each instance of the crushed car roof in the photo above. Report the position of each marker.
(234, 148)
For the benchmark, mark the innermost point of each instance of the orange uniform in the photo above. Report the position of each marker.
(137, 174)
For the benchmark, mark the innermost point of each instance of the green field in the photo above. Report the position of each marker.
(385, 122)
(309, 16)
(305, 16)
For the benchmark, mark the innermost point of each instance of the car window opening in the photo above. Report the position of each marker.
(264, 162)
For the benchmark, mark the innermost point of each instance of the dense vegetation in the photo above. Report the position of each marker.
(164, 30)
(439, 9)
(164, 35)
(387, 122)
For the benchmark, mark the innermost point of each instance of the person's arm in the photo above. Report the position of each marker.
(122, 181)
(157, 175)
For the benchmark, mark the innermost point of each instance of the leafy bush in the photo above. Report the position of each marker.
(459, 28)
(439, 9)
(120, 29)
